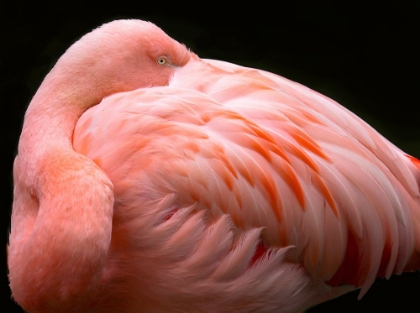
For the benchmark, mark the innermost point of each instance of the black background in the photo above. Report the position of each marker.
(364, 56)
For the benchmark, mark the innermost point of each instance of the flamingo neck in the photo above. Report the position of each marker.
(62, 214)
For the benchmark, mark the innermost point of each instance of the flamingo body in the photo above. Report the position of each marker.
(202, 186)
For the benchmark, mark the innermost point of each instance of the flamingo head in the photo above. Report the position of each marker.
(118, 56)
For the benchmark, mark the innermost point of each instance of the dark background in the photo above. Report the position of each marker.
(363, 56)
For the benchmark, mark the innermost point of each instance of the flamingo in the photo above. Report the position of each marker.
(150, 180)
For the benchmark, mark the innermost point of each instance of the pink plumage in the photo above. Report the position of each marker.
(150, 180)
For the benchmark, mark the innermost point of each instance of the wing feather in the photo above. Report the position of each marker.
(281, 160)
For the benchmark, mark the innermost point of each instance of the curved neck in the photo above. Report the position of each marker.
(63, 205)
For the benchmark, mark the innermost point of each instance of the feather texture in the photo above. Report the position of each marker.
(150, 180)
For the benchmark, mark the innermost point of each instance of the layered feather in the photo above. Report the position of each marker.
(271, 154)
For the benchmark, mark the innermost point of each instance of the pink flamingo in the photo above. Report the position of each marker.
(150, 180)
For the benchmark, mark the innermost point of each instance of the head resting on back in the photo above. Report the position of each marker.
(121, 55)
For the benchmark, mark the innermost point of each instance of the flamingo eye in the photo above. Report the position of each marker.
(161, 60)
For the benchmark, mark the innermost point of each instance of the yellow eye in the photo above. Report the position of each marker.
(161, 61)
